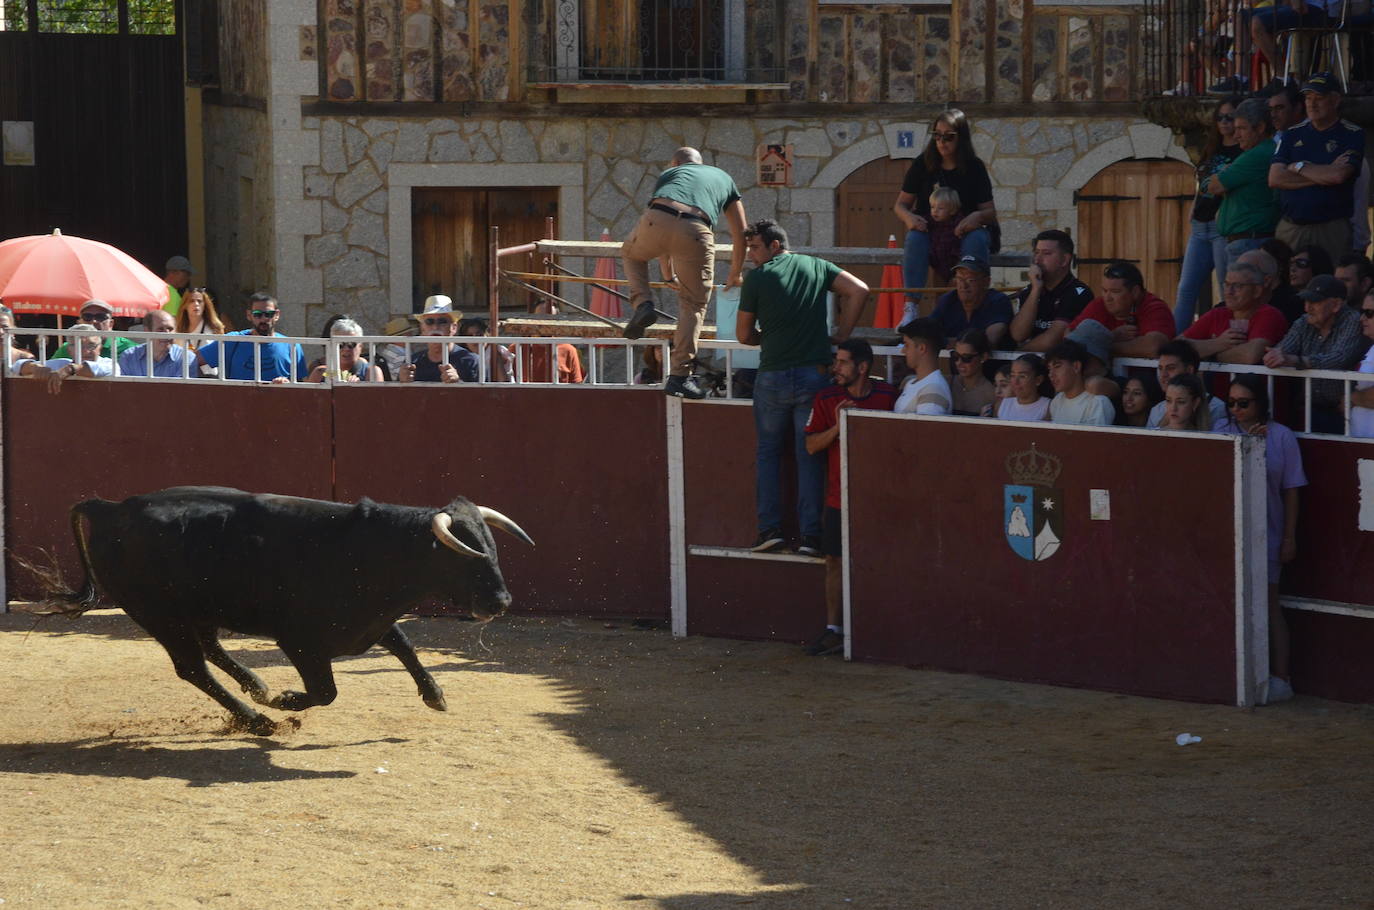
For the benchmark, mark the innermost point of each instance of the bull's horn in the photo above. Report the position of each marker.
(440, 526)
(497, 520)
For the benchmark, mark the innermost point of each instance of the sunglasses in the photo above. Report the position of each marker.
(349, 344)
(97, 317)
(964, 358)
(1303, 263)
(1367, 313)
(265, 314)
(945, 137)
(1225, 118)
(438, 322)
(1238, 403)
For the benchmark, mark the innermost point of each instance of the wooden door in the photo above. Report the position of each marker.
(1136, 211)
(450, 231)
(864, 217)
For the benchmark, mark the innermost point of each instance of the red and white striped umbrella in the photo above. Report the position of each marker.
(54, 273)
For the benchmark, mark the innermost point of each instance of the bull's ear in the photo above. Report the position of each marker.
(440, 525)
(496, 520)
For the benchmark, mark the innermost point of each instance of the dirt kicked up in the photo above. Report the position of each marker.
(585, 766)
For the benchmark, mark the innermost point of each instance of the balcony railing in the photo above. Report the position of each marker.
(1193, 47)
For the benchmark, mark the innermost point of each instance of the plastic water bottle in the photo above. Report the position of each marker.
(1184, 739)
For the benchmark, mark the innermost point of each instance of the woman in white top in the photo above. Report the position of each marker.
(197, 315)
(1025, 401)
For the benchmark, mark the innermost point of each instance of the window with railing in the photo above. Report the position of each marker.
(670, 41)
(90, 17)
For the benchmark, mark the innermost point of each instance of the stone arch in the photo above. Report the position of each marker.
(821, 198)
(1142, 141)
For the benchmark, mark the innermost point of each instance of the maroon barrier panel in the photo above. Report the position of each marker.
(738, 598)
(1331, 655)
(116, 439)
(1331, 546)
(583, 471)
(1142, 603)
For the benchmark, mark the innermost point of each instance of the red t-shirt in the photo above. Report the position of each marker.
(1266, 322)
(824, 415)
(1151, 315)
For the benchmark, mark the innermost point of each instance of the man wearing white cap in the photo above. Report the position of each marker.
(440, 362)
(100, 315)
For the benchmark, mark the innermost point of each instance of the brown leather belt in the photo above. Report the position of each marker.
(678, 213)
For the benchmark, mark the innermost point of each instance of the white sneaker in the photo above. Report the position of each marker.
(909, 312)
(1279, 690)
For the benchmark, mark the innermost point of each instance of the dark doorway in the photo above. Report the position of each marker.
(102, 84)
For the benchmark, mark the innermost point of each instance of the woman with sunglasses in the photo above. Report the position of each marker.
(1248, 413)
(973, 394)
(353, 367)
(1362, 398)
(948, 160)
(197, 315)
(1307, 263)
(1206, 248)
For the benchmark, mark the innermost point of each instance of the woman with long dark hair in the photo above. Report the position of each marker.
(948, 160)
(1248, 413)
(1206, 249)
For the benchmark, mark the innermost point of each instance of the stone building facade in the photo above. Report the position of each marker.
(318, 206)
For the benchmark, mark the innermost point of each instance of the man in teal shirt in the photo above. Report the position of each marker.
(677, 229)
(784, 308)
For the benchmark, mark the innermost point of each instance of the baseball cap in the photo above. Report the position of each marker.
(1321, 84)
(97, 305)
(973, 264)
(1323, 287)
(179, 264)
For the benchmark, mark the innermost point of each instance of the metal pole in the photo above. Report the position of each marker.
(494, 281)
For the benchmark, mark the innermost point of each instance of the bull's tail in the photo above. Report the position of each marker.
(57, 599)
(84, 599)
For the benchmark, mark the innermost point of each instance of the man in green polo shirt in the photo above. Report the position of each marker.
(784, 308)
(1249, 207)
(178, 278)
(677, 228)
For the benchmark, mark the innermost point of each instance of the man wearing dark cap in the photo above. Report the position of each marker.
(178, 277)
(973, 304)
(1328, 338)
(1315, 168)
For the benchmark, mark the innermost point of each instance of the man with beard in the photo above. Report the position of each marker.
(276, 361)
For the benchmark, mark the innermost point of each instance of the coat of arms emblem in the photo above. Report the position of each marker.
(1032, 507)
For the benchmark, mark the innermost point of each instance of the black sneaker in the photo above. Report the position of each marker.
(810, 545)
(768, 540)
(683, 387)
(829, 643)
(643, 317)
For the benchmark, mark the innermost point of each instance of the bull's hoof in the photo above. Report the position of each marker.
(436, 701)
(260, 696)
(256, 724)
(292, 701)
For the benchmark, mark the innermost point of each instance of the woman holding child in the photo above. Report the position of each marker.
(948, 161)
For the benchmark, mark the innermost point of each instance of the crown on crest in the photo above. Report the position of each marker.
(1033, 467)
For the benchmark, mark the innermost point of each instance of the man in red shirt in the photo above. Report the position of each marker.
(852, 389)
(1139, 321)
(1245, 328)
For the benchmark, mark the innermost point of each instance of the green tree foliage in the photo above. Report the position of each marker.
(93, 17)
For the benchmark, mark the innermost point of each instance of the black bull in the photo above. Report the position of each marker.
(321, 579)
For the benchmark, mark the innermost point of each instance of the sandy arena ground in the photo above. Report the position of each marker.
(582, 766)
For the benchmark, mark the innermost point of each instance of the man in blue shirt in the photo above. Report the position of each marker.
(277, 362)
(167, 356)
(1315, 168)
(973, 304)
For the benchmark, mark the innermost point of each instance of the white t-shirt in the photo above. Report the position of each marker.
(1011, 409)
(929, 396)
(1214, 404)
(1362, 419)
(1087, 408)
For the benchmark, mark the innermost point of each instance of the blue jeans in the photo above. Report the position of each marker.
(1206, 250)
(782, 405)
(916, 253)
(1238, 248)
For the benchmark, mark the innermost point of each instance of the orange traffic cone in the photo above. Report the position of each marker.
(890, 303)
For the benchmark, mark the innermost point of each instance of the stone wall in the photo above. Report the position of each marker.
(239, 212)
(359, 256)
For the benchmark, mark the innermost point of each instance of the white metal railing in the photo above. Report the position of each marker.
(717, 358)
